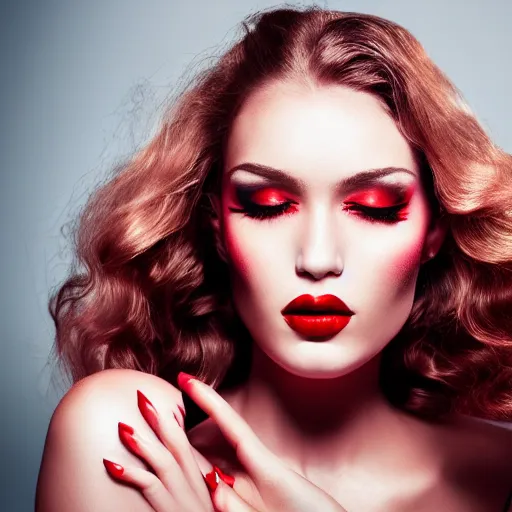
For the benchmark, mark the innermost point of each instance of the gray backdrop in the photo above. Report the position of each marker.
(82, 84)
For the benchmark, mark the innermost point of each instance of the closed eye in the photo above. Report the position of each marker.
(386, 215)
(263, 212)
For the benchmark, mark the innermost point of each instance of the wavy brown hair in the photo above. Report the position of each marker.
(148, 290)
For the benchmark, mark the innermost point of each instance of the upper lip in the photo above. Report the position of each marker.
(324, 303)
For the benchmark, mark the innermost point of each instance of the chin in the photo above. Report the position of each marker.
(321, 360)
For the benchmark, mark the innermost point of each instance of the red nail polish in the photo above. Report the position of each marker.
(227, 479)
(126, 433)
(212, 480)
(147, 410)
(115, 470)
(184, 378)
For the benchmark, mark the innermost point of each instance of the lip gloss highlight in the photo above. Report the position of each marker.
(317, 317)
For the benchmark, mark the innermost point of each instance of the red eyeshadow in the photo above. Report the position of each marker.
(268, 196)
(377, 198)
(380, 197)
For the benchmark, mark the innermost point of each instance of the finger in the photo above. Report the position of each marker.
(150, 486)
(257, 459)
(167, 470)
(226, 499)
(175, 440)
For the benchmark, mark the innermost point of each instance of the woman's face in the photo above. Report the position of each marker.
(321, 195)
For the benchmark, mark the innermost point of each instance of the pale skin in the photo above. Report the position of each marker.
(316, 406)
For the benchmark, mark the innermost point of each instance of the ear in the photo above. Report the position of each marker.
(216, 209)
(435, 237)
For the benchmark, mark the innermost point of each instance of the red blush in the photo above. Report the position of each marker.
(408, 258)
(405, 262)
(402, 268)
(233, 249)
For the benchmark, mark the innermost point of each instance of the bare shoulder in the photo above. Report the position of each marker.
(83, 430)
(482, 442)
(120, 385)
(460, 465)
(477, 460)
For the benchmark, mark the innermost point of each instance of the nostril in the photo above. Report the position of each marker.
(318, 269)
(319, 274)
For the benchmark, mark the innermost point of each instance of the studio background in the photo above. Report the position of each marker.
(83, 84)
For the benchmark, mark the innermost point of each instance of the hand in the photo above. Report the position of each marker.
(176, 483)
(280, 488)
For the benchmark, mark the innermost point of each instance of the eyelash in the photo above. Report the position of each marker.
(385, 215)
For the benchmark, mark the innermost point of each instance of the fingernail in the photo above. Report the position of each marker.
(184, 378)
(125, 433)
(212, 480)
(227, 479)
(147, 410)
(115, 470)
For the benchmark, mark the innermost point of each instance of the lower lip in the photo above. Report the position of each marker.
(317, 326)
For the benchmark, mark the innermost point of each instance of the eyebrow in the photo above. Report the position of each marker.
(359, 180)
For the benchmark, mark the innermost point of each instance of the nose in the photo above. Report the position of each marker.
(318, 254)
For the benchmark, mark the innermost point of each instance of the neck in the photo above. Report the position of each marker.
(313, 421)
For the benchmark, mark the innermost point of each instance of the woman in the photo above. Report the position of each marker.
(321, 231)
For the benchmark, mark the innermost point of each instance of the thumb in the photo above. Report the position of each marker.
(226, 499)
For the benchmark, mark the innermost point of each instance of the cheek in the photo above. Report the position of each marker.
(404, 264)
(242, 249)
(234, 247)
(237, 251)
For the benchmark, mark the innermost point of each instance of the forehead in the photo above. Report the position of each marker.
(328, 129)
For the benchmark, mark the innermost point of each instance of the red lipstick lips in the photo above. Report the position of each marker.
(317, 317)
